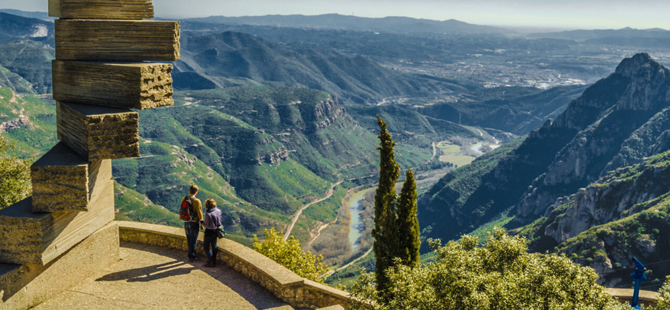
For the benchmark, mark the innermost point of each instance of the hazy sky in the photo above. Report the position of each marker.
(550, 13)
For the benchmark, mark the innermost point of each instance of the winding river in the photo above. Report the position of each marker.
(356, 227)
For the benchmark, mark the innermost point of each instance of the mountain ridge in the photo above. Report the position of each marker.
(231, 57)
(337, 21)
(585, 35)
(544, 166)
(620, 216)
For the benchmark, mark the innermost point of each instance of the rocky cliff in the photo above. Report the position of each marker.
(621, 215)
(643, 92)
(617, 121)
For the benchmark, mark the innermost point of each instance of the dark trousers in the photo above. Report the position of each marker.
(210, 243)
(192, 230)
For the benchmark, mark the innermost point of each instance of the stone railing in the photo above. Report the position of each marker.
(283, 283)
(647, 298)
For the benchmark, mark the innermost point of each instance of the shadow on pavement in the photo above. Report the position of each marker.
(150, 273)
(251, 291)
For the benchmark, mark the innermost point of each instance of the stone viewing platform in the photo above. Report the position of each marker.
(133, 265)
(153, 277)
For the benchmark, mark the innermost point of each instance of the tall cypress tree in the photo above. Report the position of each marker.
(385, 243)
(408, 224)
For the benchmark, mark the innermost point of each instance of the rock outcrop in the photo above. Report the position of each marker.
(620, 194)
(616, 122)
(643, 91)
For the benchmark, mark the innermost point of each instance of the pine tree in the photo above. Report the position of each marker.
(408, 223)
(385, 245)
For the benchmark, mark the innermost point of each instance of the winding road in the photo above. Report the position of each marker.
(299, 212)
(351, 262)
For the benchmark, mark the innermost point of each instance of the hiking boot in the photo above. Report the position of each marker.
(209, 263)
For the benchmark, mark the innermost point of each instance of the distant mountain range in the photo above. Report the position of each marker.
(344, 22)
(582, 35)
(644, 38)
(233, 58)
(13, 27)
(37, 15)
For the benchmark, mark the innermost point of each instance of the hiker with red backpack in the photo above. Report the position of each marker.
(190, 211)
(213, 229)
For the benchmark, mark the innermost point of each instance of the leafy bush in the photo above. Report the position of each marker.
(290, 255)
(14, 177)
(501, 274)
(664, 296)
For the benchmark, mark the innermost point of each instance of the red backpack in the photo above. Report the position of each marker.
(186, 209)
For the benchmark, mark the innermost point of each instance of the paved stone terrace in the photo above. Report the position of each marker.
(152, 277)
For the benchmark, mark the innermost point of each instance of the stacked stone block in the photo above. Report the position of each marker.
(95, 87)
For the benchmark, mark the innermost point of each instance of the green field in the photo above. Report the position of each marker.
(451, 153)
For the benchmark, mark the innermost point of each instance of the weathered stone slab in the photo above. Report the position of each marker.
(26, 286)
(116, 40)
(60, 181)
(63, 181)
(39, 238)
(98, 132)
(102, 9)
(131, 85)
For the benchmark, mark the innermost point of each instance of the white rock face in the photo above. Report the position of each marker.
(605, 201)
(40, 31)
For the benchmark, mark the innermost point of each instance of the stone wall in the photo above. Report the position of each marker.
(286, 285)
(647, 298)
(25, 286)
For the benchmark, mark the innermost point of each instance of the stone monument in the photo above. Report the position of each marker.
(100, 73)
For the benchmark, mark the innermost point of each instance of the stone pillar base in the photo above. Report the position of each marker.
(25, 286)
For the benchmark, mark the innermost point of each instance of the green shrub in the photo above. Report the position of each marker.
(500, 274)
(14, 177)
(664, 296)
(290, 255)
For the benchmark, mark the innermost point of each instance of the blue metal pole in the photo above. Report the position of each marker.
(636, 295)
(638, 276)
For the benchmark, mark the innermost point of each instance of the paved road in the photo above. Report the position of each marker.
(353, 261)
(299, 212)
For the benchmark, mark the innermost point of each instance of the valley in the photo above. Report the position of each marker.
(558, 137)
